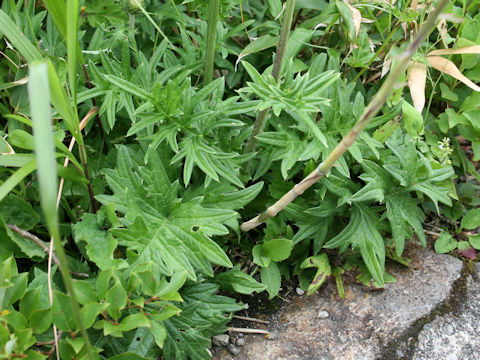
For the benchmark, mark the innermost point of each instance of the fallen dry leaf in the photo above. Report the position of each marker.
(417, 78)
(356, 17)
(474, 49)
(448, 67)
(442, 29)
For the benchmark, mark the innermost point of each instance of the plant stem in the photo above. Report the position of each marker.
(370, 111)
(25, 234)
(91, 194)
(379, 50)
(89, 85)
(277, 69)
(213, 10)
(131, 21)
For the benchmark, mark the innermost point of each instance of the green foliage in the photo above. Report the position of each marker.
(157, 265)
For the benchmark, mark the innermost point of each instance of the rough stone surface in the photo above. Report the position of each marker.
(221, 340)
(454, 337)
(359, 326)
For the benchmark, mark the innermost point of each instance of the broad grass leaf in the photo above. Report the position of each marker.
(61, 103)
(85, 292)
(474, 240)
(238, 281)
(277, 249)
(16, 177)
(16, 210)
(16, 160)
(117, 298)
(90, 312)
(445, 243)
(471, 220)
(159, 333)
(62, 312)
(127, 356)
(16, 291)
(271, 277)
(446, 66)
(17, 244)
(298, 39)
(100, 244)
(259, 44)
(417, 77)
(274, 7)
(412, 120)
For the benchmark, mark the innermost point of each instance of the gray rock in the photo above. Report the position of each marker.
(359, 326)
(234, 350)
(221, 340)
(454, 336)
(299, 291)
(240, 341)
(322, 314)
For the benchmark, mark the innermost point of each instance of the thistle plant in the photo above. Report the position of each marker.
(149, 272)
(370, 111)
(276, 71)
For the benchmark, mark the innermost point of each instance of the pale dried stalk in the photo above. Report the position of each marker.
(246, 318)
(248, 330)
(51, 255)
(370, 111)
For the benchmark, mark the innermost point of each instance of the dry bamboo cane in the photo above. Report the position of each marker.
(370, 111)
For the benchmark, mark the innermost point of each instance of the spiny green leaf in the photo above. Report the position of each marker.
(128, 86)
(362, 233)
(403, 215)
(238, 281)
(202, 316)
(178, 235)
(100, 244)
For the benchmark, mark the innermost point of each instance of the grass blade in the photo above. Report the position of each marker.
(61, 103)
(58, 11)
(18, 40)
(72, 45)
(17, 176)
(39, 96)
